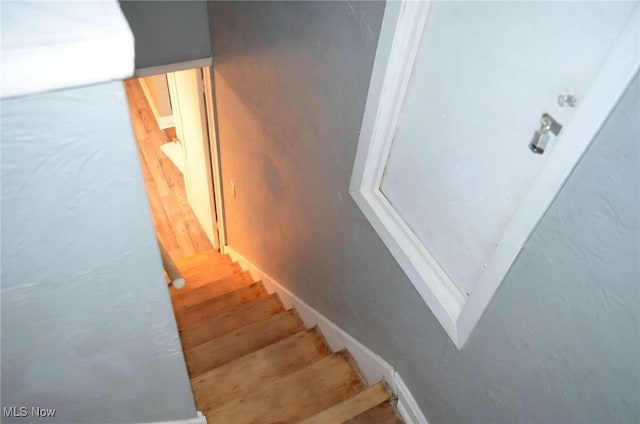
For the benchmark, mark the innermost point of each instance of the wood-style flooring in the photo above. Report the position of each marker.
(250, 360)
(175, 223)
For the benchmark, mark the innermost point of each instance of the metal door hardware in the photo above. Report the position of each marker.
(567, 100)
(541, 135)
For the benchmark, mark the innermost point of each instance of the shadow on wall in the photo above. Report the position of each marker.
(168, 32)
(291, 83)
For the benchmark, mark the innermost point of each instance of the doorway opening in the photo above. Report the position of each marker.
(173, 122)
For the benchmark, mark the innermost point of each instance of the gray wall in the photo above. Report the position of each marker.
(559, 343)
(168, 32)
(87, 323)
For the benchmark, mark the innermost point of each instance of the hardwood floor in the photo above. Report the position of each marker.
(175, 223)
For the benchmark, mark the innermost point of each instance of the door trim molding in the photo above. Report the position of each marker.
(173, 67)
(401, 32)
(201, 197)
(214, 156)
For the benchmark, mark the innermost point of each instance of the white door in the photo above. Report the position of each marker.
(484, 75)
(445, 171)
(187, 100)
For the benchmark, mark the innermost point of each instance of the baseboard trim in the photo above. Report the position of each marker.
(200, 419)
(164, 122)
(407, 406)
(372, 367)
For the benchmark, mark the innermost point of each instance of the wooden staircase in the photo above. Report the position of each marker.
(252, 361)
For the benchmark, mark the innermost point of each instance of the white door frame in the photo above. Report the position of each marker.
(401, 32)
(211, 151)
(214, 151)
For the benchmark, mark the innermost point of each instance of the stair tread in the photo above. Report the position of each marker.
(250, 372)
(251, 361)
(202, 263)
(226, 348)
(295, 396)
(212, 308)
(206, 257)
(190, 296)
(244, 314)
(381, 414)
(200, 276)
(351, 407)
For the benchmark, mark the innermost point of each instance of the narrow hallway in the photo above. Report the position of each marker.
(175, 223)
(249, 358)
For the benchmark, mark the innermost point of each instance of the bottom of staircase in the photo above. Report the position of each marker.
(252, 361)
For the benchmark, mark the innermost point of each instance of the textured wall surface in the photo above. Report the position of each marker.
(168, 32)
(87, 323)
(560, 341)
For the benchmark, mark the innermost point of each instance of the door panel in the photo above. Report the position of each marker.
(484, 74)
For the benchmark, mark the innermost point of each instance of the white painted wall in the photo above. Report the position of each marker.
(162, 94)
(87, 323)
(156, 91)
(460, 165)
